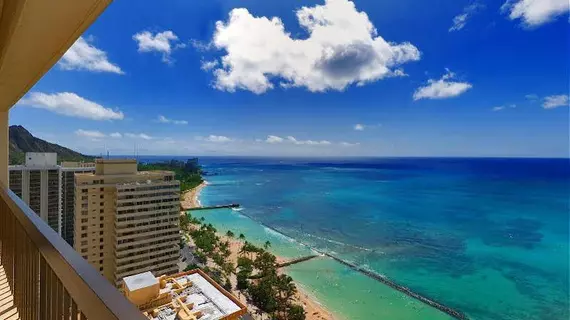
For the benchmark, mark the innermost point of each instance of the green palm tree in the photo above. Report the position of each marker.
(243, 249)
(230, 234)
(285, 289)
(241, 236)
(266, 245)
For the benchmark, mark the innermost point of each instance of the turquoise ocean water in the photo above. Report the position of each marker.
(488, 237)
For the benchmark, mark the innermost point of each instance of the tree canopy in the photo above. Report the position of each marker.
(188, 172)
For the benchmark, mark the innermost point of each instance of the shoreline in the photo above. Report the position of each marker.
(314, 309)
(191, 198)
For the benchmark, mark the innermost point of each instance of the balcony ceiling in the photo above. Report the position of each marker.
(34, 34)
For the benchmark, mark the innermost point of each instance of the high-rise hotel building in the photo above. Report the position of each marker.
(67, 183)
(127, 222)
(37, 184)
(49, 189)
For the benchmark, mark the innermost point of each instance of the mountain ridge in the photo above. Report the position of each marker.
(22, 141)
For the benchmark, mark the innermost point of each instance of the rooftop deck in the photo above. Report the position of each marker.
(187, 295)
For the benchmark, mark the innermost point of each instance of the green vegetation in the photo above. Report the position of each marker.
(189, 173)
(268, 290)
(17, 157)
(191, 267)
(210, 248)
(256, 270)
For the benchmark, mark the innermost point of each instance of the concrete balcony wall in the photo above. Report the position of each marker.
(4, 148)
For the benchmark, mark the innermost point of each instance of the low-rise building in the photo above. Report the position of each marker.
(188, 295)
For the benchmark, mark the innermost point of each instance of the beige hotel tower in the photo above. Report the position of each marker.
(127, 222)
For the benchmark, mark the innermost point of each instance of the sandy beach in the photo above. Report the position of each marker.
(190, 198)
(314, 310)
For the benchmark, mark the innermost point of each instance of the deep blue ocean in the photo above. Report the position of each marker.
(489, 237)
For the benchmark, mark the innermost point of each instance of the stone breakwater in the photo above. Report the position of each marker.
(407, 291)
(380, 278)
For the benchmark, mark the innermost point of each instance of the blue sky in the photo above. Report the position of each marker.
(312, 78)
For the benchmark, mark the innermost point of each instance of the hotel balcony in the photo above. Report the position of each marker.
(41, 276)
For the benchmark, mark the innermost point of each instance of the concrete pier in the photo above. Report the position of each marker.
(296, 260)
(231, 205)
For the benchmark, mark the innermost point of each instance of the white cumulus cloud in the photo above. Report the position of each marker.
(85, 56)
(307, 142)
(163, 119)
(292, 140)
(342, 48)
(208, 65)
(359, 127)
(215, 138)
(138, 136)
(70, 104)
(93, 134)
(460, 20)
(556, 101)
(162, 42)
(349, 144)
(115, 135)
(273, 139)
(362, 126)
(499, 108)
(534, 13)
(442, 88)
